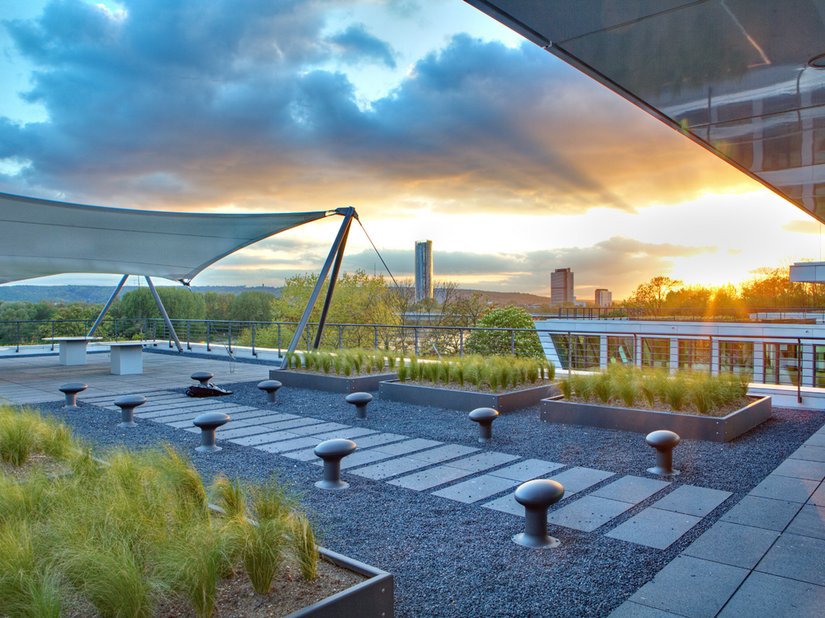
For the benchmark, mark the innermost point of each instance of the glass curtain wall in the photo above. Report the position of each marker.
(736, 357)
(655, 353)
(694, 354)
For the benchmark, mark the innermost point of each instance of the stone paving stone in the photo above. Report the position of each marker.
(408, 446)
(818, 497)
(818, 439)
(762, 513)
(381, 438)
(305, 454)
(265, 438)
(427, 479)
(810, 521)
(654, 527)
(784, 488)
(261, 415)
(483, 461)
(801, 469)
(315, 428)
(227, 431)
(505, 504)
(629, 609)
(692, 500)
(691, 587)
(349, 433)
(631, 489)
(160, 414)
(288, 445)
(797, 557)
(527, 469)
(269, 419)
(444, 453)
(578, 479)
(777, 597)
(588, 513)
(359, 458)
(809, 453)
(476, 489)
(741, 546)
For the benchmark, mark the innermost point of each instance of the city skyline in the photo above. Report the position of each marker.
(401, 109)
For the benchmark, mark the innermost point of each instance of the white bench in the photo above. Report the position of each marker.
(126, 356)
(72, 350)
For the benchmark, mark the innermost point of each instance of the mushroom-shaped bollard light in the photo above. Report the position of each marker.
(127, 405)
(536, 497)
(208, 424)
(484, 417)
(664, 442)
(332, 452)
(270, 387)
(203, 377)
(360, 401)
(71, 390)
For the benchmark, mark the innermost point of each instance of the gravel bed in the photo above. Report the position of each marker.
(452, 559)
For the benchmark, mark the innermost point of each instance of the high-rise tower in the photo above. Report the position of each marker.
(423, 270)
(561, 286)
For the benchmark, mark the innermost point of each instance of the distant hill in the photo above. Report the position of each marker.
(99, 294)
(521, 299)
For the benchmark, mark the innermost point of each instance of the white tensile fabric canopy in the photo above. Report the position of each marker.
(43, 237)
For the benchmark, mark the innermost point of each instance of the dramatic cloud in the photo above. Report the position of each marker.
(185, 104)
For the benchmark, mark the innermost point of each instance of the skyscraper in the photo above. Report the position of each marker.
(561, 286)
(423, 270)
(604, 298)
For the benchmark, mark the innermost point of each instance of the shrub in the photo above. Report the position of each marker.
(487, 343)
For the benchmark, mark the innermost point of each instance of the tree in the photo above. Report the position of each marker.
(217, 305)
(504, 342)
(651, 295)
(252, 306)
(180, 303)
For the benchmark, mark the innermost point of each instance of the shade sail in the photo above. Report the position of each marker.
(43, 237)
(744, 79)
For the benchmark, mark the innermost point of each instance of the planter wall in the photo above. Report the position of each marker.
(331, 383)
(372, 598)
(688, 426)
(393, 390)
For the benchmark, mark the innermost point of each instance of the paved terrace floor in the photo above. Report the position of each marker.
(762, 557)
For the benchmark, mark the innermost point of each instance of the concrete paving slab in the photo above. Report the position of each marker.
(381, 438)
(785, 488)
(801, 469)
(691, 587)
(444, 453)
(228, 431)
(407, 446)
(483, 461)
(427, 479)
(778, 597)
(810, 521)
(360, 458)
(578, 479)
(184, 422)
(527, 469)
(797, 557)
(692, 500)
(818, 497)
(740, 546)
(631, 489)
(629, 609)
(654, 527)
(349, 433)
(316, 428)
(817, 439)
(762, 513)
(476, 489)
(288, 445)
(306, 454)
(505, 504)
(402, 465)
(266, 438)
(587, 513)
(809, 453)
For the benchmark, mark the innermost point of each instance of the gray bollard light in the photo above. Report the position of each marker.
(536, 497)
(270, 387)
(484, 417)
(332, 452)
(208, 424)
(204, 377)
(71, 390)
(360, 401)
(664, 442)
(127, 405)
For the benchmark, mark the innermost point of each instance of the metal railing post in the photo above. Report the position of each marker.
(188, 335)
(208, 334)
(513, 342)
(52, 336)
(375, 338)
(569, 354)
(415, 335)
(229, 337)
(254, 353)
(799, 356)
(461, 342)
(340, 336)
(18, 337)
(279, 339)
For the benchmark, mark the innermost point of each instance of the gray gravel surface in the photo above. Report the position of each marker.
(451, 559)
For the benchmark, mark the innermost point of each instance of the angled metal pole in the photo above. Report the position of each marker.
(107, 306)
(348, 213)
(165, 315)
(336, 268)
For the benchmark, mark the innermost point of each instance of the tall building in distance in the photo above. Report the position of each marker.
(561, 286)
(423, 270)
(604, 298)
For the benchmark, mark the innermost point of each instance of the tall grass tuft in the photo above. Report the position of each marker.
(263, 551)
(302, 537)
(229, 495)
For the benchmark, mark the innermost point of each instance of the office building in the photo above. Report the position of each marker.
(423, 270)
(604, 298)
(561, 287)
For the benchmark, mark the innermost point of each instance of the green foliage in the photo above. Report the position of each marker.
(523, 343)
(302, 537)
(490, 373)
(180, 303)
(252, 306)
(23, 432)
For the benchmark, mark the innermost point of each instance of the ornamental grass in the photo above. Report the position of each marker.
(494, 373)
(124, 538)
(685, 391)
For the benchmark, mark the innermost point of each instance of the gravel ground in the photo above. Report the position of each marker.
(451, 559)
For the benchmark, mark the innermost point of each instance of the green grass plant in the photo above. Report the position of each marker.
(302, 537)
(482, 372)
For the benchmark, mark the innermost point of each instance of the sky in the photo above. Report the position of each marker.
(429, 117)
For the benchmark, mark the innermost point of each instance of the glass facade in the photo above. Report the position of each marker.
(620, 350)
(655, 353)
(736, 357)
(694, 354)
(781, 364)
(580, 353)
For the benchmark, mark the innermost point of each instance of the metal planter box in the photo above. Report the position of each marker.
(372, 598)
(393, 390)
(688, 426)
(330, 383)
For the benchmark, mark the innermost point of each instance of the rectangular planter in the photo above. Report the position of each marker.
(331, 383)
(438, 397)
(688, 426)
(372, 598)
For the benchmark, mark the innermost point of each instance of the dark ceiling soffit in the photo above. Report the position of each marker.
(535, 37)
